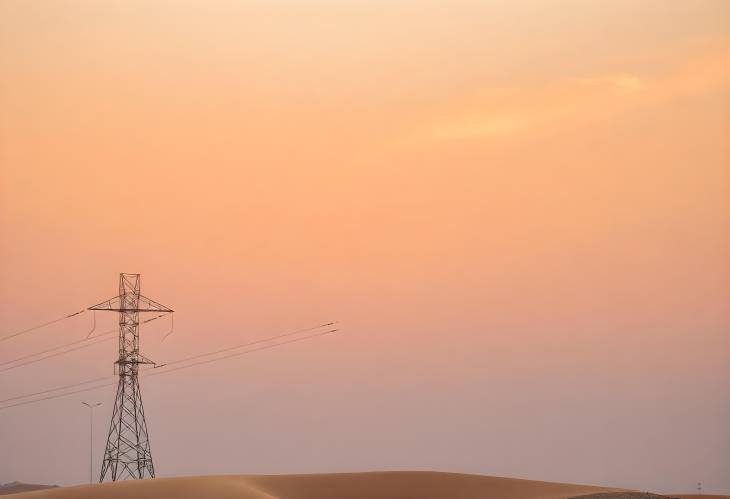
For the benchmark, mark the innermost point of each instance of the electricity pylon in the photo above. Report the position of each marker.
(127, 453)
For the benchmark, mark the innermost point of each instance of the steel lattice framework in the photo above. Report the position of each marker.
(128, 453)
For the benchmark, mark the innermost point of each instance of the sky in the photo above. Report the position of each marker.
(517, 212)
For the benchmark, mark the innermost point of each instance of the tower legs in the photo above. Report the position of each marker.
(127, 453)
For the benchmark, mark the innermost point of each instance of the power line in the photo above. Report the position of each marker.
(172, 326)
(248, 344)
(76, 342)
(31, 355)
(87, 345)
(56, 396)
(178, 361)
(208, 361)
(30, 329)
(93, 327)
(50, 390)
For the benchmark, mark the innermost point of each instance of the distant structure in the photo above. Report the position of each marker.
(18, 487)
(127, 453)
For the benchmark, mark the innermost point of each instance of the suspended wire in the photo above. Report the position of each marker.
(31, 355)
(251, 343)
(50, 390)
(56, 396)
(31, 329)
(243, 345)
(237, 354)
(172, 326)
(93, 328)
(167, 371)
(103, 333)
(114, 330)
(64, 352)
(76, 342)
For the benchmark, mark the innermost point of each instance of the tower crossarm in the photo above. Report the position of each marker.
(117, 304)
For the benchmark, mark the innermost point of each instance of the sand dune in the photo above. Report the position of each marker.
(374, 485)
(645, 495)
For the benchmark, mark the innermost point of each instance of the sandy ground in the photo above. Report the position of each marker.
(375, 485)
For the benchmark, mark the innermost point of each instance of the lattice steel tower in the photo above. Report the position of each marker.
(127, 453)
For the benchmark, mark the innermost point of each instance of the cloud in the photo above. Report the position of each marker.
(496, 113)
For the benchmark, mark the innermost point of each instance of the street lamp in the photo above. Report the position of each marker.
(91, 439)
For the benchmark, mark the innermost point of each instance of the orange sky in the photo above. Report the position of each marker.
(517, 210)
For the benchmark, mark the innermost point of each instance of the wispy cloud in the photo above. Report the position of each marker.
(494, 113)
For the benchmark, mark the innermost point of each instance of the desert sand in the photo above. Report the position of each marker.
(372, 485)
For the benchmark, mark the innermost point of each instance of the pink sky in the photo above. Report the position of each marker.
(518, 211)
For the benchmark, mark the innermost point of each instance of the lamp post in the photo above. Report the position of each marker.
(91, 439)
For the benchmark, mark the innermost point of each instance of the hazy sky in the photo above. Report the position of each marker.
(519, 212)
